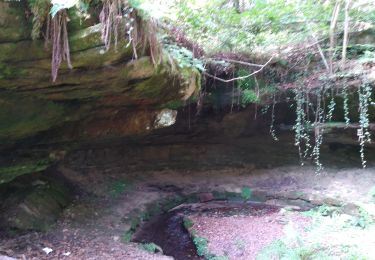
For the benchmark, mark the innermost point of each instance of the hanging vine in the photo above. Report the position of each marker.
(57, 33)
(119, 19)
(318, 130)
(364, 135)
(272, 126)
(331, 107)
(40, 10)
(301, 139)
(110, 18)
(346, 104)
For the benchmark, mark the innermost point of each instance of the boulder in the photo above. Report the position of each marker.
(34, 206)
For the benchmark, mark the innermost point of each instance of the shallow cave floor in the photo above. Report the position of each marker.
(95, 226)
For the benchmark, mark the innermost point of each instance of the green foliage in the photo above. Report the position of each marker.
(301, 137)
(346, 104)
(118, 188)
(367, 57)
(248, 97)
(246, 193)
(151, 247)
(372, 193)
(247, 86)
(9, 173)
(188, 223)
(201, 244)
(217, 26)
(39, 9)
(58, 5)
(280, 250)
(364, 135)
(183, 57)
(174, 104)
(331, 109)
(272, 126)
(128, 236)
(324, 211)
(363, 220)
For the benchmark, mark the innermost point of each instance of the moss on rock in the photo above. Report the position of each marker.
(9, 173)
(34, 207)
(22, 116)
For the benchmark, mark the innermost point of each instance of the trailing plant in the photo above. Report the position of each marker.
(363, 133)
(40, 10)
(118, 17)
(114, 15)
(301, 139)
(346, 103)
(272, 126)
(318, 133)
(122, 18)
(57, 33)
(331, 108)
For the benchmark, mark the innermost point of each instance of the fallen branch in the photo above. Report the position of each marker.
(242, 63)
(239, 78)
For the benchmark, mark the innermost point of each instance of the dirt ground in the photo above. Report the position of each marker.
(287, 235)
(94, 226)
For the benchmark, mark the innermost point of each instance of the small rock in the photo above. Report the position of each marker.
(3, 257)
(206, 196)
(47, 250)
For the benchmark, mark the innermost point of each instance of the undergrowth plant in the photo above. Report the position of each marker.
(362, 220)
(151, 247)
(372, 193)
(246, 193)
(280, 250)
(246, 89)
(201, 243)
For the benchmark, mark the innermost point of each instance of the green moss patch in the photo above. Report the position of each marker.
(23, 116)
(7, 174)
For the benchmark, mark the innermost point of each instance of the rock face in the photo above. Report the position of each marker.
(97, 113)
(106, 94)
